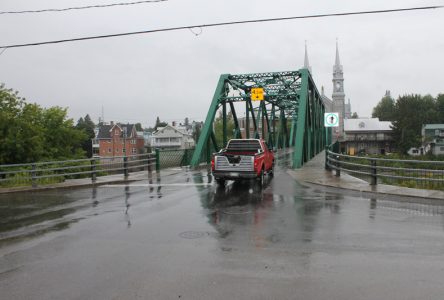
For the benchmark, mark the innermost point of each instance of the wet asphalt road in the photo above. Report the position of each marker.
(185, 238)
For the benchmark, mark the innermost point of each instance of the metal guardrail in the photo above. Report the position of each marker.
(408, 173)
(175, 158)
(39, 173)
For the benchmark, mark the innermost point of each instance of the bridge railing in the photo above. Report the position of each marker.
(175, 158)
(40, 173)
(423, 174)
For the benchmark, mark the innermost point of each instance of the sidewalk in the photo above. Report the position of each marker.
(314, 172)
(86, 182)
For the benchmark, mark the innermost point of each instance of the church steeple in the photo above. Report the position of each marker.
(338, 96)
(306, 62)
(337, 61)
(337, 68)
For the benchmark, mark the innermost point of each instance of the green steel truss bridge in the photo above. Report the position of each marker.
(291, 114)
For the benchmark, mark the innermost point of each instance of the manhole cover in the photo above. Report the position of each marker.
(193, 234)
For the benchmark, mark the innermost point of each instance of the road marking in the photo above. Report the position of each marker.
(156, 184)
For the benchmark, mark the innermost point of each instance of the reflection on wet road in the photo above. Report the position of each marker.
(184, 237)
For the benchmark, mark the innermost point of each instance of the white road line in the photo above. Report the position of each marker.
(156, 184)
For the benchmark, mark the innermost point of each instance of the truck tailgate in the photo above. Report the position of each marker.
(246, 164)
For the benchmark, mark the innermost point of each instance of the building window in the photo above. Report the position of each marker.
(133, 141)
(117, 150)
(109, 150)
(162, 140)
(108, 141)
(116, 132)
(134, 150)
(441, 149)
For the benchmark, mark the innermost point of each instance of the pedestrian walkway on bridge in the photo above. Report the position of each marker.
(314, 172)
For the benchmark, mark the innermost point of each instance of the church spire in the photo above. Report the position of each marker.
(337, 62)
(306, 62)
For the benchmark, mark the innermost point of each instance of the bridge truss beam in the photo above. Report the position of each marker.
(291, 114)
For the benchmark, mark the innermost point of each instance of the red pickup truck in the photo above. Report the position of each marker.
(243, 159)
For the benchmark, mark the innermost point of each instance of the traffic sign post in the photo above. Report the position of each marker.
(331, 119)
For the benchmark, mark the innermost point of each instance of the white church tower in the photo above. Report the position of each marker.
(338, 95)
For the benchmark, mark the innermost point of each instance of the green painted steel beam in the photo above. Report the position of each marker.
(208, 125)
(292, 131)
(298, 156)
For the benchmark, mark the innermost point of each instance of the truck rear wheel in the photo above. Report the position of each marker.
(271, 172)
(262, 178)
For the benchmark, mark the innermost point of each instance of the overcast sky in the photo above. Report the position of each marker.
(173, 74)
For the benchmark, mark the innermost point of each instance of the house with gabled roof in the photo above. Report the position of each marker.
(368, 136)
(169, 137)
(116, 139)
(433, 138)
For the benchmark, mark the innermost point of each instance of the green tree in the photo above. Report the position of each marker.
(159, 124)
(196, 133)
(385, 109)
(30, 133)
(138, 127)
(20, 129)
(411, 112)
(62, 139)
(86, 125)
(218, 128)
(440, 108)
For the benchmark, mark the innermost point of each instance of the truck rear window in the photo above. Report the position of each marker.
(244, 145)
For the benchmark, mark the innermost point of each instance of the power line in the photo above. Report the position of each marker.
(222, 24)
(79, 7)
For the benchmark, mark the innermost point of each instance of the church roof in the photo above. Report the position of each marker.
(433, 126)
(370, 124)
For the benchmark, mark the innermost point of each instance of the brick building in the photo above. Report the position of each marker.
(116, 140)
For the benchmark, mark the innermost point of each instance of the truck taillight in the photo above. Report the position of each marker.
(212, 164)
(256, 163)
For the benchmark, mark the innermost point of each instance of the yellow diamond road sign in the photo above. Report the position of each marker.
(257, 94)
